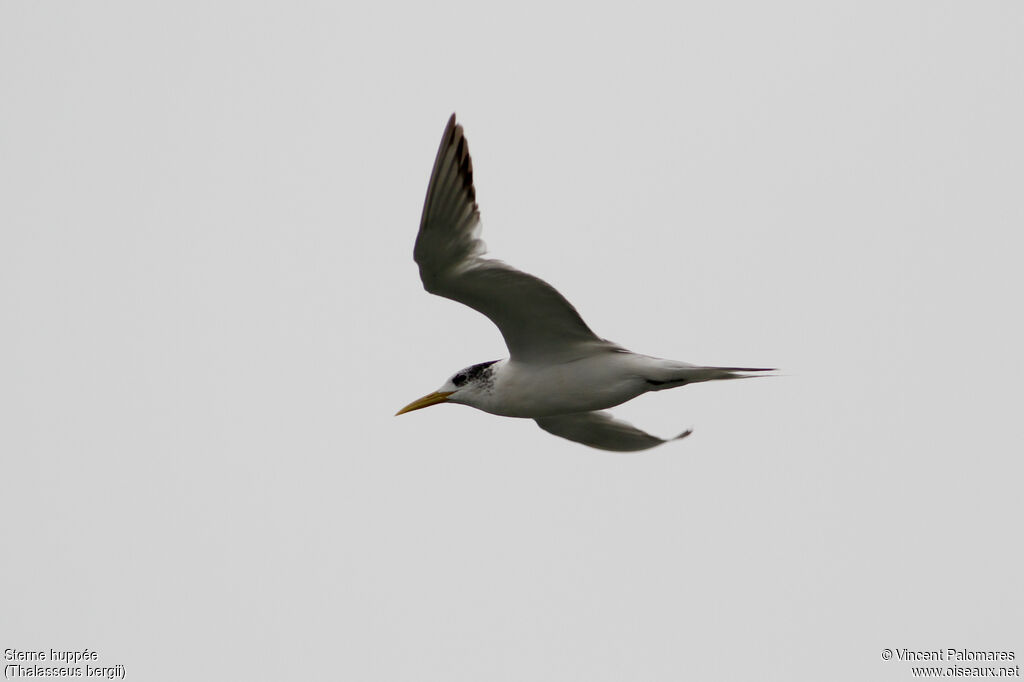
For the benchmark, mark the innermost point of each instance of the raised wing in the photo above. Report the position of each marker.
(538, 324)
(602, 431)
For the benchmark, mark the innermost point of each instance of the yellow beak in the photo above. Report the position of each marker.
(426, 401)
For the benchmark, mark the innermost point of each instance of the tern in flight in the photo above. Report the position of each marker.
(558, 372)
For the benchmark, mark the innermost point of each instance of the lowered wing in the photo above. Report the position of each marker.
(602, 431)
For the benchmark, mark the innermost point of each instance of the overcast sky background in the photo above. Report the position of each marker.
(210, 314)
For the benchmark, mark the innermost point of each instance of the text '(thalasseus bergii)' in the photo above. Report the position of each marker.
(558, 372)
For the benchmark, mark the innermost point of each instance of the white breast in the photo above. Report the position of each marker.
(595, 382)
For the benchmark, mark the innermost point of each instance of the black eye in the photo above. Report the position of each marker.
(459, 379)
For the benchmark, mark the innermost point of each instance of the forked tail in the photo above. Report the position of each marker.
(680, 374)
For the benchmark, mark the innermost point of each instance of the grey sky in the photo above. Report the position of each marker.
(210, 314)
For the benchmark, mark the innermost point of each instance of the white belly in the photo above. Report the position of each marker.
(593, 383)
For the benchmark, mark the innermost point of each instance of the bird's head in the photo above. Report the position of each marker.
(465, 386)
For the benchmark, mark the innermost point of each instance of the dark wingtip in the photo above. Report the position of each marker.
(450, 130)
(682, 435)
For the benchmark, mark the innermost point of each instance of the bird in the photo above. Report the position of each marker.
(559, 372)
